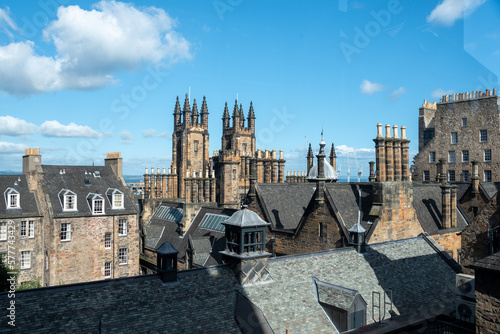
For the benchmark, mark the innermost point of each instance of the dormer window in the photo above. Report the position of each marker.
(12, 198)
(115, 198)
(96, 203)
(68, 200)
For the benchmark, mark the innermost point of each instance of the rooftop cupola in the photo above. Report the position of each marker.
(186, 111)
(166, 257)
(177, 112)
(246, 246)
(194, 117)
(225, 117)
(357, 237)
(204, 113)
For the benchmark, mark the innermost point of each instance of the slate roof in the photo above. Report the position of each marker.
(344, 198)
(84, 180)
(427, 201)
(335, 295)
(491, 262)
(159, 230)
(490, 188)
(245, 218)
(202, 301)
(27, 201)
(285, 203)
(403, 266)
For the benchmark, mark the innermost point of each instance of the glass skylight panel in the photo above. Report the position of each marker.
(214, 222)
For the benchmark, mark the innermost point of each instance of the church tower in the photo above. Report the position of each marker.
(190, 139)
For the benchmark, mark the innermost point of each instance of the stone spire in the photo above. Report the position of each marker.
(242, 117)
(204, 113)
(195, 113)
(186, 111)
(225, 117)
(177, 112)
(236, 115)
(320, 180)
(251, 117)
(333, 157)
(310, 159)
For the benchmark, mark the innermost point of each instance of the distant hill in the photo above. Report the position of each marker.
(9, 172)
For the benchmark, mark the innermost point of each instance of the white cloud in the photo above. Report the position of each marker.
(126, 135)
(369, 88)
(56, 129)
(361, 153)
(6, 147)
(7, 24)
(149, 133)
(163, 135)
(12, 126)
(438, 93)
(91, 46)
(449, 11)
(397, 93)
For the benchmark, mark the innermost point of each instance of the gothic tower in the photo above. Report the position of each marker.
(190, 157)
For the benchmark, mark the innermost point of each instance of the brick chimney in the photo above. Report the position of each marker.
(380, 154)
(32, 160)
(389, 154)
(475, 178)
(114, 161)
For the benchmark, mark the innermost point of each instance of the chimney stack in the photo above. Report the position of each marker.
(32, 160)
(475, 178)
(380, 154)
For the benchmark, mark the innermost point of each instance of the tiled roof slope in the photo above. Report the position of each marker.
(345, 197)
(285, 203)
(158, 231)
(73, 178)
(201, 303)
(203, 300)
(490, 188)
(418, 276)
(28, 205)
(427, 201)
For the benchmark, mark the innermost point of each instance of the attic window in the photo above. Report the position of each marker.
(115, 198)
(12, 198)
(96, 203)
(68, 200)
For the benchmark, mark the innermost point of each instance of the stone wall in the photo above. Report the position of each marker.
(487, 301)
(397, 219)
(475, 240)
(82, 258)
(318, 231)
(447, 117)
(450, 241)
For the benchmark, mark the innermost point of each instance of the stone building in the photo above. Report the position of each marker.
(460, 128)
(305, 293)
(316, 213)
(487, 293)
(72, 223)
(194, 177)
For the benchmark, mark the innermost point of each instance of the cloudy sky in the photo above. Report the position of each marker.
(82, 78)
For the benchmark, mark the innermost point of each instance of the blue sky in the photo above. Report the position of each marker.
(82, 78)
